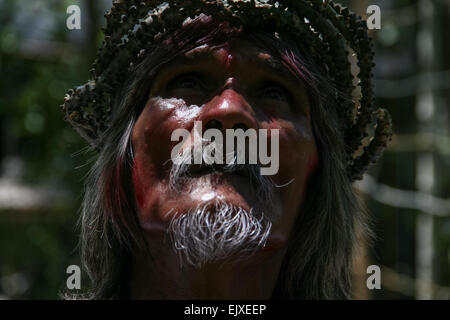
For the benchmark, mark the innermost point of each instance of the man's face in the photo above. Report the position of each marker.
(237, 85)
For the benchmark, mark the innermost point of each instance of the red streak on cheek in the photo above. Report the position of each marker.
(312, 164)
(310, 168)
(138, 189)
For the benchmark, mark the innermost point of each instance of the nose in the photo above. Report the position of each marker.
(229, 110)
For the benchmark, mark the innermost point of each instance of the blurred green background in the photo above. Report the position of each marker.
(43, 161)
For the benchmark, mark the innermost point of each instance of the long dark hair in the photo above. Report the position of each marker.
(317, 264)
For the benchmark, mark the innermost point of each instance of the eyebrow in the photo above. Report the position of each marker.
(278, 68)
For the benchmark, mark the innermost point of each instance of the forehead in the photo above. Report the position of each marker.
(236, 55)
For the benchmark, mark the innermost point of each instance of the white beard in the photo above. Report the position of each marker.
(217, 231)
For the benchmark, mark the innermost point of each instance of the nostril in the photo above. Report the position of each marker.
(241, 125)
(214, 124)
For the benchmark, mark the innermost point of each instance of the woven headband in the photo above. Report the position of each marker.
(330, 31)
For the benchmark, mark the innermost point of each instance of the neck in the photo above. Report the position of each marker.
(163, 277)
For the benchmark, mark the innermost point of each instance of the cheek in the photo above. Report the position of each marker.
(137, 184)
(298, 156)
(310, 168)
(312, 164)
(145, 178)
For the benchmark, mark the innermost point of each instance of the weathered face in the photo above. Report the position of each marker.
(234, 85)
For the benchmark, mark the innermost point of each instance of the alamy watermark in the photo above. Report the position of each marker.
(73, 22)
(374, 280)
(373, 17)
(208, 148)
(73, 281)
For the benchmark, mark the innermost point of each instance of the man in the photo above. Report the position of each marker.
(155, 226)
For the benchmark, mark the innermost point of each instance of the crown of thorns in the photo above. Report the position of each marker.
(329, 30)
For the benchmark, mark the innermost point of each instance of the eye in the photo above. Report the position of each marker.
(274, 91)
(187, 81)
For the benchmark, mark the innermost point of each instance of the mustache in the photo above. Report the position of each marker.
(183, 170)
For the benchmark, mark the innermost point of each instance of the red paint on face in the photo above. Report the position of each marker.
(224, 54)
(312, 164)
(231, 88)
(138, 190)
